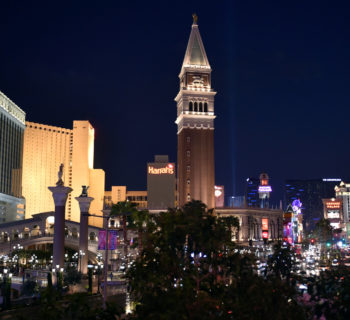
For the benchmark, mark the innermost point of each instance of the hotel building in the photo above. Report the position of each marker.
(161, 184)
(45, 148)
(120, 193)
(12, 124)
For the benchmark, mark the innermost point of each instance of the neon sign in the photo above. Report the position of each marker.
(333, 205)
(218, 191)
(265, 189)
(265, 234)
(169, 169)
(265, 224)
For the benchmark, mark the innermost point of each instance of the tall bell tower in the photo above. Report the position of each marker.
(195, 125)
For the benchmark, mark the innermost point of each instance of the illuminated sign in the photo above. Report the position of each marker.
(296, 206)
(333, 205)
(169, 169)
(331, 179)
(218, 191)
(265, 235)
(333, 214)
(265, 189)
(335, 225)
(219, 196)
(265, 224)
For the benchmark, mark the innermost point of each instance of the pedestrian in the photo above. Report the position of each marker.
(111, 275)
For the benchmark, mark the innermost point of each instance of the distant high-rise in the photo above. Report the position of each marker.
(195, 125)
(342, 191)
(252, 192)
(310, 192)
(257, 192)
(264, 190)
(12, 120)
(45, 148)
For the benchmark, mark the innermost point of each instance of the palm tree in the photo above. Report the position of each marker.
(124, 209)
(323, 232)
(140, 219)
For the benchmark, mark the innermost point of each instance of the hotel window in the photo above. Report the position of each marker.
(188, 139)
(188, 168)
(188, 153)
(191, 106)
(200, 107)
(188, 181)
(195, 107)
(188, 197)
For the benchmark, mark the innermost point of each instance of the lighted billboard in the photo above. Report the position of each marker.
(160, 184)
(219, 196)
(265, 228)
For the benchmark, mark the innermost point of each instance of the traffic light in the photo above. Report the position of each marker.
(312, 241)
(328, 244)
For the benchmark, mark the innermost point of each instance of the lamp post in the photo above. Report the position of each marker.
(6, 289)
(105, 269)
(81, 255)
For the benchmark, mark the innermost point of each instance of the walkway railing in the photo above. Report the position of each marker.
(41, 235)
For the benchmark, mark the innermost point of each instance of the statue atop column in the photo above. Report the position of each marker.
(84, 192)
(60, 175)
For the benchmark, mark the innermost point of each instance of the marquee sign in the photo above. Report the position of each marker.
(333, 205)
(169, 169)
(265, 189)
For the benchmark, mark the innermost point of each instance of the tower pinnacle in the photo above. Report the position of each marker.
(195, 19)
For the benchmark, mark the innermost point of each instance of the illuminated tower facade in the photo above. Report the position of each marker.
(195, 125)
(264, 190)
(45, 148)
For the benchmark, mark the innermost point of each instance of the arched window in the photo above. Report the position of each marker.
(195, 107)
(191, 106)
(200, 107)
(205, 107)
(188, 197)
(92, 236)
(75, 233)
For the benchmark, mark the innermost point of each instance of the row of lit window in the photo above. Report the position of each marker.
(53, 130)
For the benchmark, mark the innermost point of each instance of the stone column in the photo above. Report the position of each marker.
(106, 213)
(84, 204)
(60, 194)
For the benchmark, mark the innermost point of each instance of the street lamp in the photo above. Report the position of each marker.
(106, 257)
(6, 288)
(81, 254)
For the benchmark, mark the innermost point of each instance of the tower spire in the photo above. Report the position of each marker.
(195, 55)
(195, 19)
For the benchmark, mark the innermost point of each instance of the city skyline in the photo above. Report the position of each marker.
(112, 67)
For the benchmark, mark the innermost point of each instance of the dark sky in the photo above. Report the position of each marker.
(281, 70)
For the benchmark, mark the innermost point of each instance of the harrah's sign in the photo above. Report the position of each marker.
(169, 169)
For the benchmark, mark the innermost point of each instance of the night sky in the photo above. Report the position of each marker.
(281, 70)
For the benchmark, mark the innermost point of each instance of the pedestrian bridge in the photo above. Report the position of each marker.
(36, 232)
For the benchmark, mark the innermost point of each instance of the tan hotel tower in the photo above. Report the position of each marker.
(195, 123)
(45, 148)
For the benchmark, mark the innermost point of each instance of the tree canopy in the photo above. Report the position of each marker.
(190, 268)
